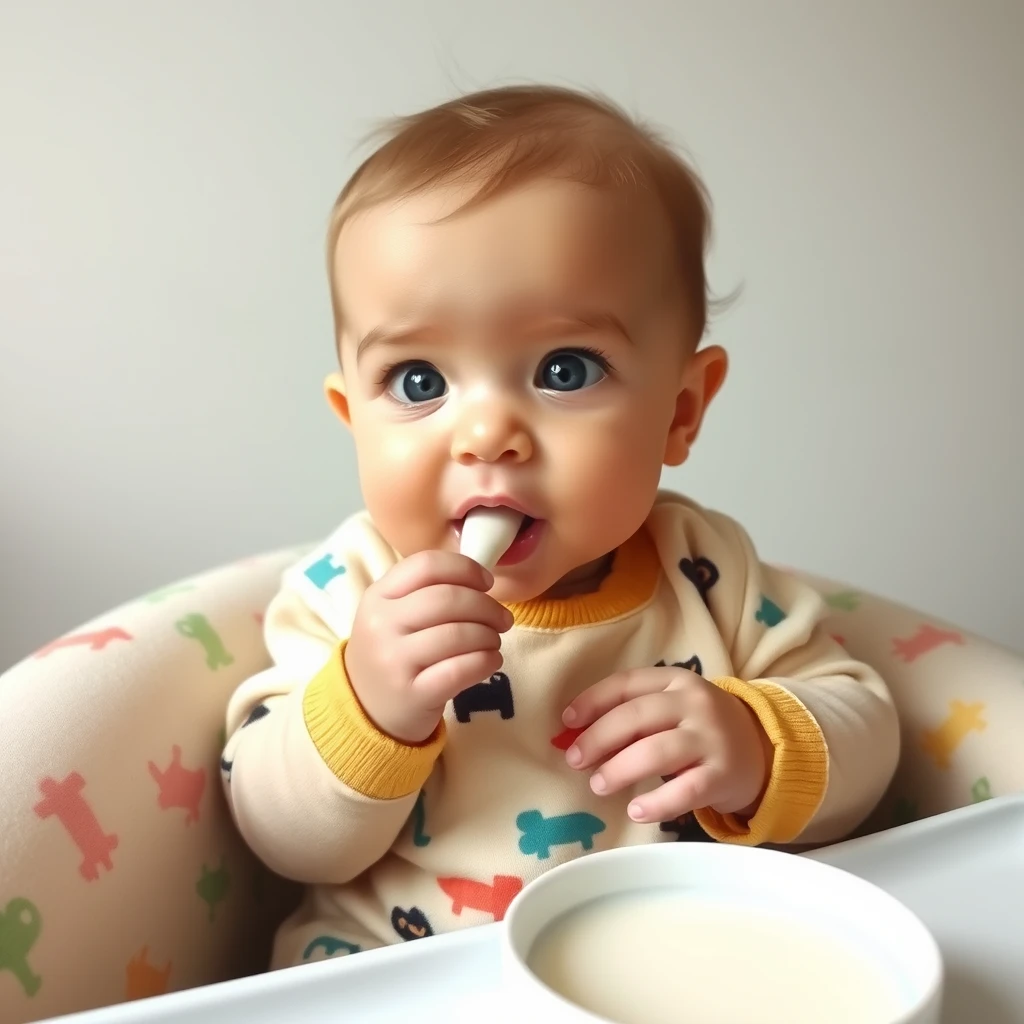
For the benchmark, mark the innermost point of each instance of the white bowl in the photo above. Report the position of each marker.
(833, 903)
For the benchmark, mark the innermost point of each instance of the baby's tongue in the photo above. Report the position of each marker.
(488, 532)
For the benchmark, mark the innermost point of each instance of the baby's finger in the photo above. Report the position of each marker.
(614, 689)
(439, 683)
(622, 725)
(686, 792)
(449, 640)
(427, 568)
(448, 603)
(664, 753)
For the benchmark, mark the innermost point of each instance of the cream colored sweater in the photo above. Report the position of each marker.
(402, 841)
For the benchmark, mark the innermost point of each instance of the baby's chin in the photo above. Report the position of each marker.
(509, 592)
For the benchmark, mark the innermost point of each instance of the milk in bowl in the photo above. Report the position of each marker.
(707, 934)
(691, 959)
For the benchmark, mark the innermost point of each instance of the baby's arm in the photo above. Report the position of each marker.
(830, 717)
(317, 792)
(831, 721)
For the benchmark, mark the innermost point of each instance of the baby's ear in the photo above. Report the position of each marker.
(334, 390)
(702, 380)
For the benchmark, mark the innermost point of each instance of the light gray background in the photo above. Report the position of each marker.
(166, 170)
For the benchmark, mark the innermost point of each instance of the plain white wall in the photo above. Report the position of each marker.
(166, 170)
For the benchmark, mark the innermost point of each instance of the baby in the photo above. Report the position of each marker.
(519, 295)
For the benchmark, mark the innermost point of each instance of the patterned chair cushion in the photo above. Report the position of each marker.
(960, 699)
(117, 854)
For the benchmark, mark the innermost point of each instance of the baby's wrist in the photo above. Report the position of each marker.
(400, 724)
(766, 759)
(412, 732)
(752, 767)
(355, 747)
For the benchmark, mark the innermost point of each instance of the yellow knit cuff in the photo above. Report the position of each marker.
(364, 758)
(799, 769)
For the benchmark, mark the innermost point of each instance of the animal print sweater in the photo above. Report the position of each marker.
(398, 842)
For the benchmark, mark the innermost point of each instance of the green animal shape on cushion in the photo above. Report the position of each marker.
(197, 627)
(540, 833)
(212, 887)
(981, 790)
(20, 925)
(330, 945)
(844, 601)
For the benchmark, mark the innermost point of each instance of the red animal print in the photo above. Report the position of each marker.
(179, 787)
(565, 739)
(926, 639)
(491, 899)
(841, 640)
(94, 641)
(64, 799)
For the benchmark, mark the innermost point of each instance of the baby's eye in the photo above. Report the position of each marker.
(417, 382)
(571, 371)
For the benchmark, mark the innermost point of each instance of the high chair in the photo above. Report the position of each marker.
(121, 875)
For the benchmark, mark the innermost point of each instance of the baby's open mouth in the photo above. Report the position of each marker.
(526, 523)
(497, 535)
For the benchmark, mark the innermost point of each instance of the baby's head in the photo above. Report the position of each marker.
(518, 287)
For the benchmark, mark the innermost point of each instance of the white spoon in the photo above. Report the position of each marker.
(488, 532)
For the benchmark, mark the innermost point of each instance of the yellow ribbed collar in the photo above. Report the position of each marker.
(630, 584)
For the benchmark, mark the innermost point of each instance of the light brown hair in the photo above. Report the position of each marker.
(500, 138)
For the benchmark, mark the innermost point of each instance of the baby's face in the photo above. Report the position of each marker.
(529, 351)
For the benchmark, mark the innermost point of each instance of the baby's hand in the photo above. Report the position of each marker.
(672, 723)
(423, 633)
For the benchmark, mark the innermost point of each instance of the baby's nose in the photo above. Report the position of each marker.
(490, 431)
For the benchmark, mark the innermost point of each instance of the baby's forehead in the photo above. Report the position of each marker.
(547, 250)
(561, 226)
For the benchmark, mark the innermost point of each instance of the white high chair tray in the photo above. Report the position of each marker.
(961, 872)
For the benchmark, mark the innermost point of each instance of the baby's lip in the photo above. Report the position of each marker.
(492, 501)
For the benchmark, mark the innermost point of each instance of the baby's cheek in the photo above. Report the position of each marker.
(620, 465)
(400, 485)
(393, 455)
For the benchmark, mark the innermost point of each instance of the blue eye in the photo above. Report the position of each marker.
(571, 371)
(417, 382)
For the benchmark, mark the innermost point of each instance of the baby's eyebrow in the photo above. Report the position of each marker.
(535, 323)
(593, 320)
(387, 335)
